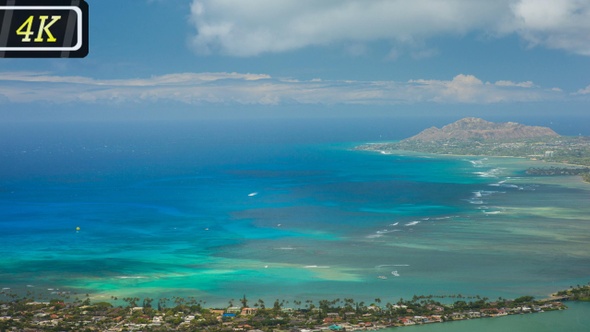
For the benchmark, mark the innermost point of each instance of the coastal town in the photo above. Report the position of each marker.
(22, 313)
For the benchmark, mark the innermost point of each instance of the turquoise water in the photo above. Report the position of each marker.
(269, 214)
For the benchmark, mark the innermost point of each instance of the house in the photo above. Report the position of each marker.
(157, 320)
(407, 321)
(233, 310)
(474, 314)
(248, 311)
(218, 312)
(135, 309)
(457, 316)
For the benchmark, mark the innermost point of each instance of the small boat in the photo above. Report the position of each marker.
(395, 274)
(382, 277)
(252, 194)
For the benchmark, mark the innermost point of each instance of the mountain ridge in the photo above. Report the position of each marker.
(478, 137)
(472, 128)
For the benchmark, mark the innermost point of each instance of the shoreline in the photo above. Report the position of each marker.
(401, 152)
(334, 315)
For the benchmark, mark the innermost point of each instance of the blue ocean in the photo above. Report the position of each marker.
(277, 209)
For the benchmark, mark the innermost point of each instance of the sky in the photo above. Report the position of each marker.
(256, 58)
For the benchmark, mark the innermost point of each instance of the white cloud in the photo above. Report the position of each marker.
(584, 91)
(470, 89)
(183, 78)
(558, 24)
(527, 84)
(236, 88)
(247, 28)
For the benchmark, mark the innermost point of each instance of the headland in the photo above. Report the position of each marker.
(477, 137)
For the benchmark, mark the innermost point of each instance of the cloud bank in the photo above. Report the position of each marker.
(248, 28)
(262, 89)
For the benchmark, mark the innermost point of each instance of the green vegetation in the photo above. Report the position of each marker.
(188, 314)
(567, 150)
(477, 137)
(570, 150)
(578, 293)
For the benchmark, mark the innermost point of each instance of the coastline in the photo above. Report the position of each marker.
(574, 319)
(402, 152)
(189, 313)
(461, 167)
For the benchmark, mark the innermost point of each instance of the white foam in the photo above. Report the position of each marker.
(391, 265)
(374, 236)
(317, 267)
(503, 184)
(493, 173)
(477, 163)
(443, 218)
(385, 231)
(490, 192)
(412, 223)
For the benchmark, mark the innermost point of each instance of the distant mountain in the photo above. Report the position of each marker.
(477, 137)
(468, 129)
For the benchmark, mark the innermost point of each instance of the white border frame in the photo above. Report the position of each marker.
(79, 28)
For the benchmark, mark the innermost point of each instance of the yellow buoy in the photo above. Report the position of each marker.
(77, 229)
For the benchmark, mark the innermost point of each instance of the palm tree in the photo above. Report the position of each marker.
(261, 303)
(244, 301)
(147, 302)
